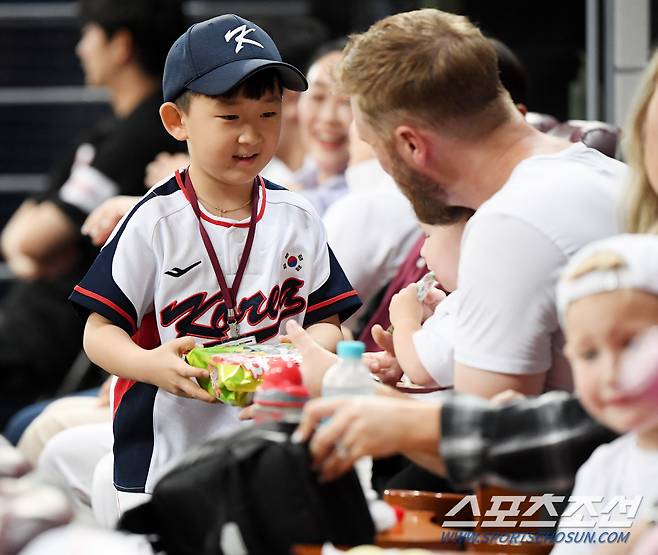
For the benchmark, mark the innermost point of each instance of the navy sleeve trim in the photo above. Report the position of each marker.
(87, 301)
(331, 301)
(335, 297)
(343, 305)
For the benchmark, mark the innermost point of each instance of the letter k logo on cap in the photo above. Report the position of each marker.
(240, 39)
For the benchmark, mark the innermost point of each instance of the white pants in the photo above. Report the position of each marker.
(60, 415)
(81, 460)
(71, 456)
(75, 539)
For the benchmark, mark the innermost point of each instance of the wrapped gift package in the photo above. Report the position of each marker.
(236, 371)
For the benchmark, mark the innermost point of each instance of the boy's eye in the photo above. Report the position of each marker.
(269, 114)
(229, 117)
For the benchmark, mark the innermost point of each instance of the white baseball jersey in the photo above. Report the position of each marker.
(154, 279)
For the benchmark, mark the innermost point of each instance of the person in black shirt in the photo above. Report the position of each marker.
(122, 48)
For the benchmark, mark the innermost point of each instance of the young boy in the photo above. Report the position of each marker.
(607, 297)
(422, 340)
(215, 253)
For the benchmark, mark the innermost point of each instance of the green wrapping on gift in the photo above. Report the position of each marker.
(235, 383)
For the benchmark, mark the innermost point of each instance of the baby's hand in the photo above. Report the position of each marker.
(432, 299)
(383, 365)
(168, 370)
(406, 306)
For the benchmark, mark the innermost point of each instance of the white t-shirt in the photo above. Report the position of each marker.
(513, 250)
(153, 278)
(371, 229)
(618, 469)
(434, 341)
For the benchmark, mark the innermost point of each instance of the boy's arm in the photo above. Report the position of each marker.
(326, 332)
(406, 315)
(111, 348)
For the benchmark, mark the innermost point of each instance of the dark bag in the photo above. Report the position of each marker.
(251, 492)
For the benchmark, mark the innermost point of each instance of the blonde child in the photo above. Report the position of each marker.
(607, 298)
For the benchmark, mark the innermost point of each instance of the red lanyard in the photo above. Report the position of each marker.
(229, 293)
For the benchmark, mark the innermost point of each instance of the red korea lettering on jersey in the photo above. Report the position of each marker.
(282, 302)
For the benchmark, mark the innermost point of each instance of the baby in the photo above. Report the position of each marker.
(420, 345)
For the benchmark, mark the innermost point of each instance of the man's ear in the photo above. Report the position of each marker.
(411, 145)
(173, 120)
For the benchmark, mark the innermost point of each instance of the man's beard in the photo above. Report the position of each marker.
(427, 197)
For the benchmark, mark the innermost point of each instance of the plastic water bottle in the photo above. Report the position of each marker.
(350, 377)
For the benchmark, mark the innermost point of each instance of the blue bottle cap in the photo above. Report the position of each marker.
(350, 349)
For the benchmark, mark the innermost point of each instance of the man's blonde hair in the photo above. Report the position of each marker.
(643, 200)
(429, 67)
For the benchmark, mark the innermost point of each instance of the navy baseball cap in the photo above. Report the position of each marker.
(213, 56)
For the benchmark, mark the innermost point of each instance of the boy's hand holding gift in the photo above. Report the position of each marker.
(234, 372)
(165, 367)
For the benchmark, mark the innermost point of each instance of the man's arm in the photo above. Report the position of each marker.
(506, 318)
(485, 383)
(376, 426)
(534, 444)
